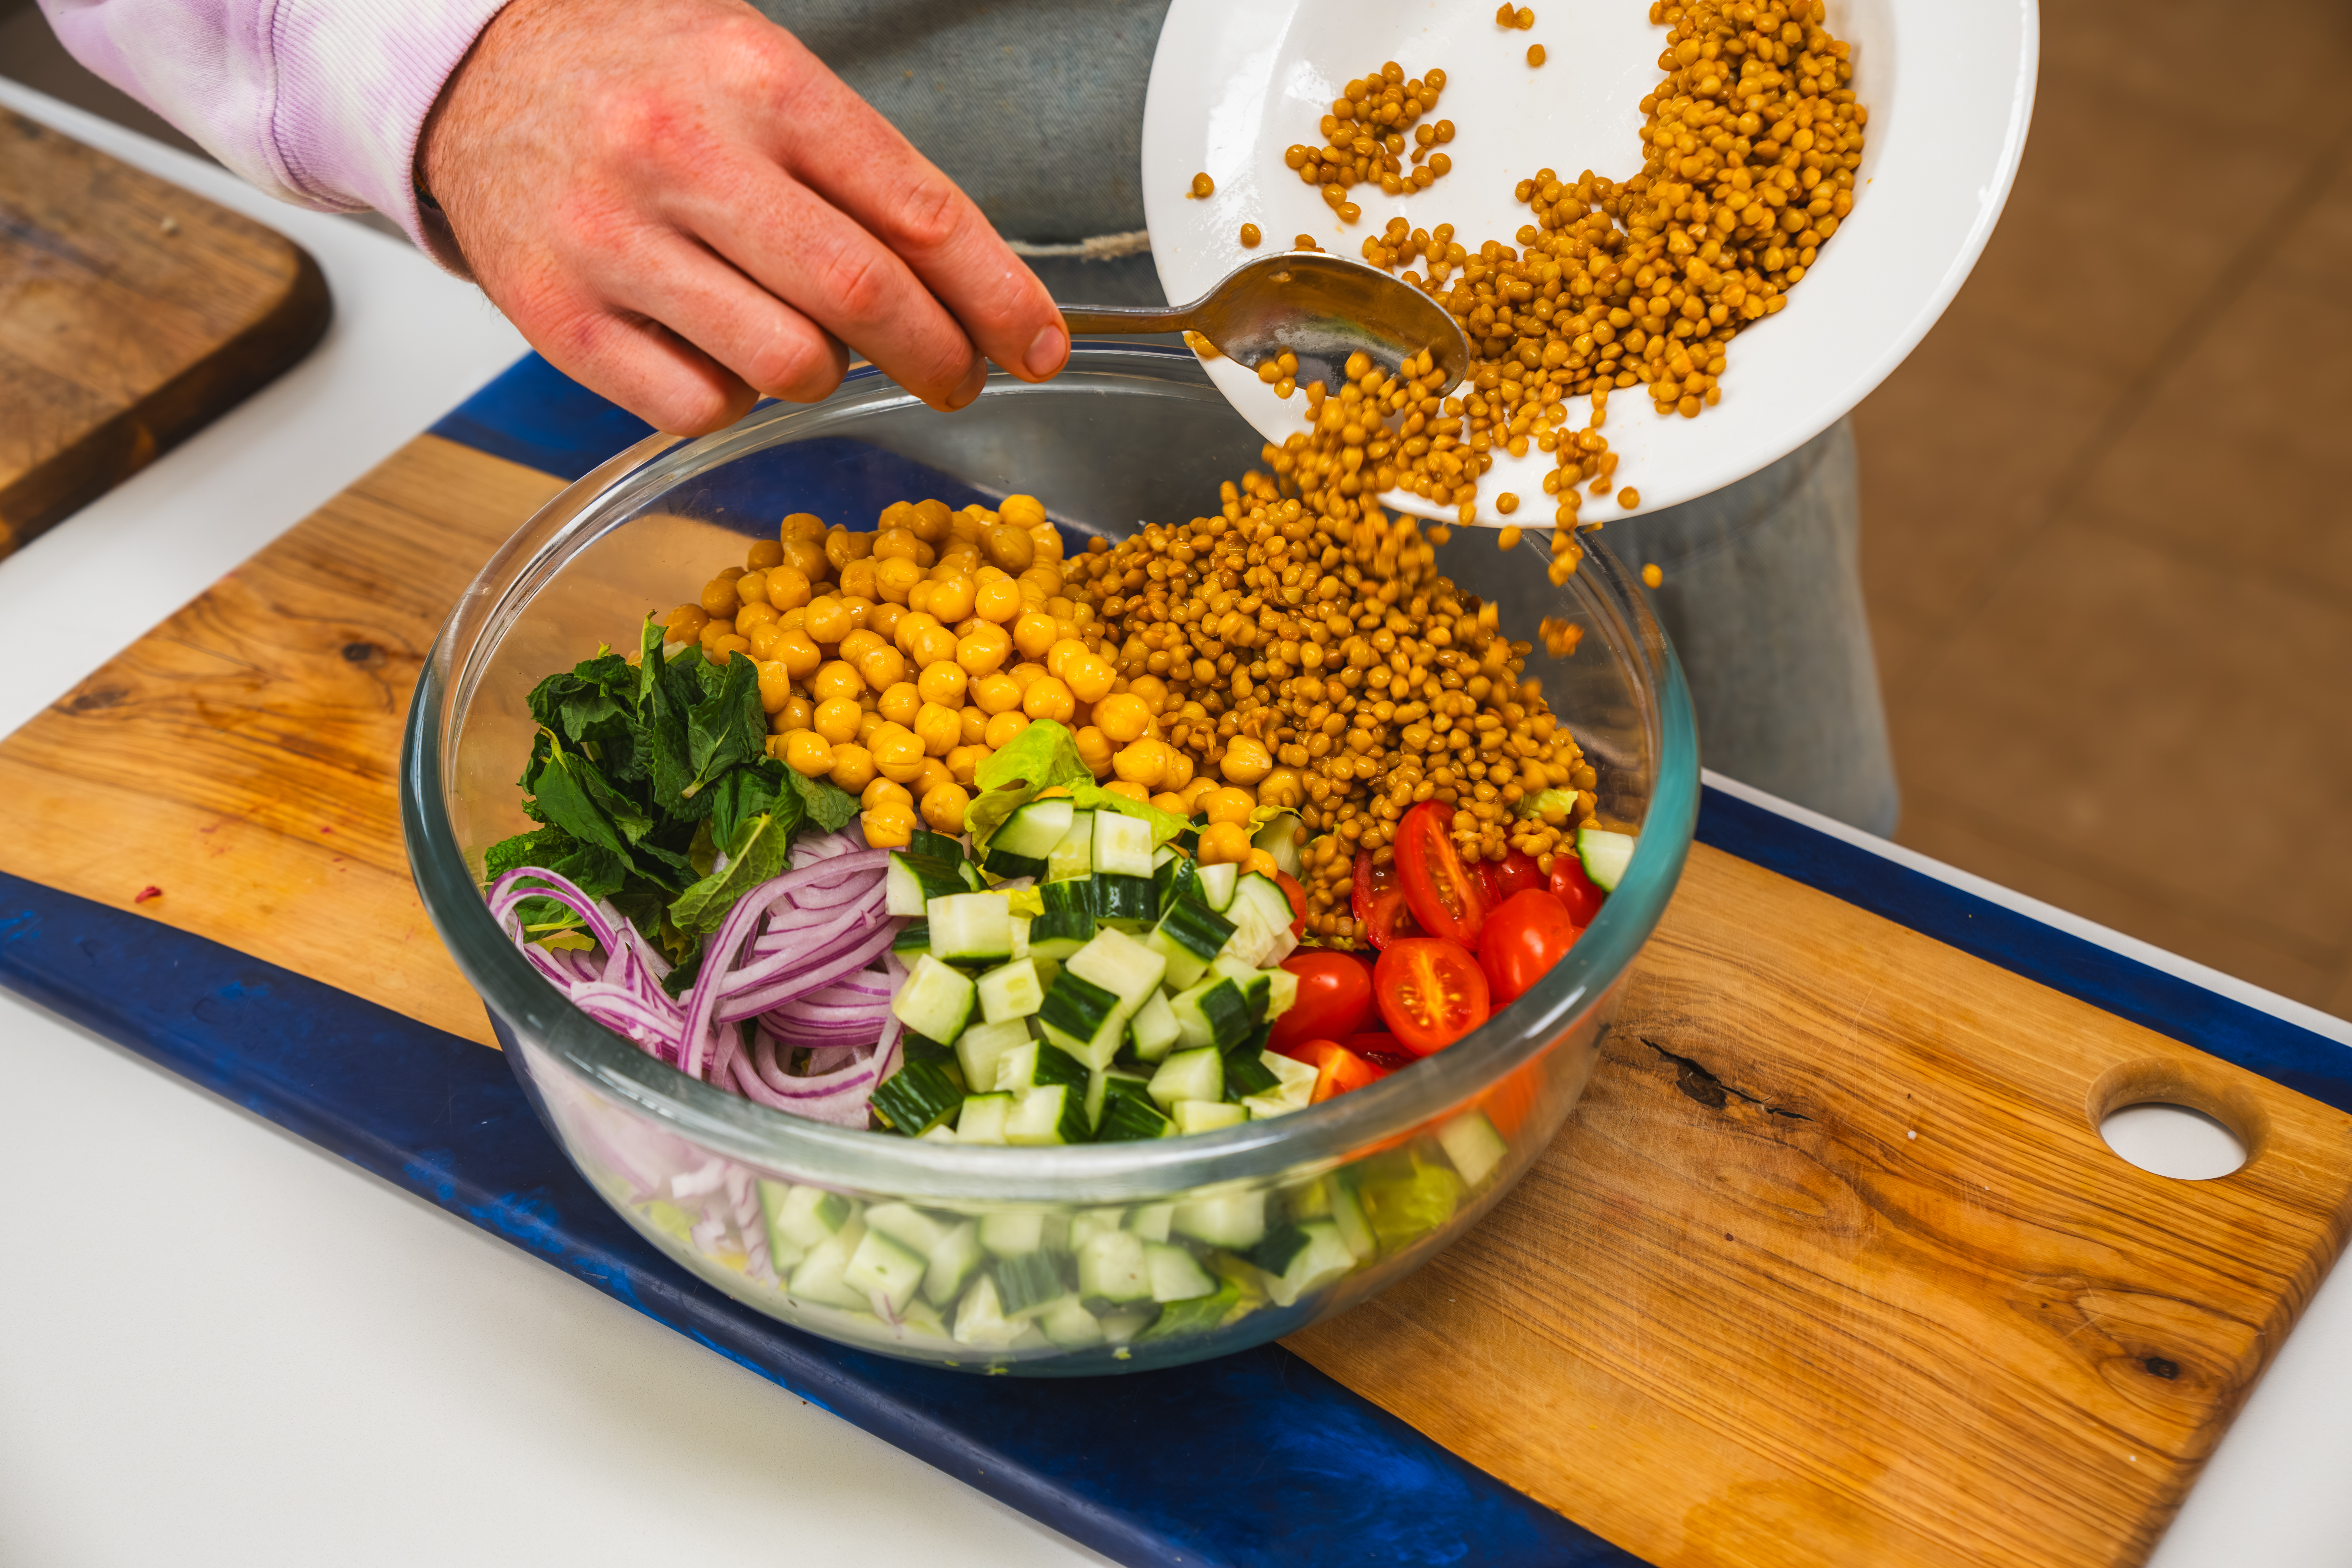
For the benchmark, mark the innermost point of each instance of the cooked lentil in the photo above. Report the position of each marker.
(1250, 236)
(1535, 53)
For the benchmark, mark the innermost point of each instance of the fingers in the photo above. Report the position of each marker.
(639, 363)
(769, 345)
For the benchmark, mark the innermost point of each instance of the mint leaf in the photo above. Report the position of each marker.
(761, 849)
(726, 727)
(828, 805)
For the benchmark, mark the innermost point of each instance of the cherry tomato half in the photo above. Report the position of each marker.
(1335, 997)
(1443, 896)
(1379, 902)
(1523, 940)
(1382, 1050)
(1516, 874)
(1571, 887)
(1338, 1069)
(1430, 991)
(1297, 896)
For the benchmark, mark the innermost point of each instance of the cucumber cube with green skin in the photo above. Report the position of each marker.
(1188, 1075)
(1247, 1073)
(926, 844)
(1605, 855)
(1054, 1114)
(1111, 1267)
(918, 1098)
(1266, 1107)
(1406, 1199)
(1237, 1220)
(1120, 965)
(1174, 1274)
(1005, 864)
(951, 1262)
(1038, 1065)
(909, 1226)
(1069, 1325)
(784, 1252)
(1011, 991)
(1471, 1142)
(1282, 993)
(1125, 903)
(1075, 855)
(935, 1001)
(1028, 1282)
(1088, 1224)
(1301, 1258)
(886, 1272)
(970, 928)
(1127, 1119)
(1187, 938)
(1295, 1079)
(820, 1276)
(1195, 1316)
(1011, 1232)
(1215, 1015)
(979, 1048)
(1122, 846)
(1106, 1084)
(982, 1119)
(1152, 1030)
(1206, 1115)
(980, 1320)
(913, 880)
(1176, 878)
(1150, 1221)
(1084, 1018)
(806, 1216)
(1036, 828)
(1120, 1326)
(1217, 884)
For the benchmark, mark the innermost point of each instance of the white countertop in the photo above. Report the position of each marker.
(179, 1383)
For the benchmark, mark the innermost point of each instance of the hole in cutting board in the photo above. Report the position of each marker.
(2174, 1141)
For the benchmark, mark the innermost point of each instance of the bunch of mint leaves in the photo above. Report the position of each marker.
(641, 776)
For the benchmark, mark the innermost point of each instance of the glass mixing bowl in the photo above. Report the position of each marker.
(1284, 1221)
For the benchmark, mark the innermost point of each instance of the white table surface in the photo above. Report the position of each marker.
(220, 1344)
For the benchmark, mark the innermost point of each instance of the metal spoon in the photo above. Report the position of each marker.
(1321, 308)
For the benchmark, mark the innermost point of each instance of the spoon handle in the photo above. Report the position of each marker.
(1101, 321)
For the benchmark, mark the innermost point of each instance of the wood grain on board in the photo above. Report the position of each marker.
(1831, 1267)
(131, 313)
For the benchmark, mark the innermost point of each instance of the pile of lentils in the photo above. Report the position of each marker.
(1364, 138)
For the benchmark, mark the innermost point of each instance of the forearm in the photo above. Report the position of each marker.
(316, 101)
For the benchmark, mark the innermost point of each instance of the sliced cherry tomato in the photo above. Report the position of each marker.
(1335, 997)
(1443, 896)
(1481, 873)
(1382, 1050)
(1524, 939)
(1338, 1069)
(1517, 873)
(1297, 896)
(1430, 991)
(1379, 902)
(1574, 889)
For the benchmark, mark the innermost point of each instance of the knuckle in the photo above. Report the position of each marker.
(859, 283)
(928, 216)
(791, 367)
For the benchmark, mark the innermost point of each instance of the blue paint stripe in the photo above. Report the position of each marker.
(533, 413)
(2284, 1053)
(1299, 1470)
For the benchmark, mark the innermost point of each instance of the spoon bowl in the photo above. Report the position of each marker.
(1320, 308)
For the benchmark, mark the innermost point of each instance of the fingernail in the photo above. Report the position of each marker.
(969, 388)
(1047, 351)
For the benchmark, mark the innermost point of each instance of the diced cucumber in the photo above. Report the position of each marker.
(917, 1098)
(952, 1260)
(819, 1277)
(1188, 937)
(1152, 1030)
(1176, 879)
(1196, 1316)
(1021, 924)
(977, 1048)
(802, 1215)
(1174, 1274)
(1069, 1325)
(1150, 1221)
(913, 938)
(1214, 1015)
(784, 1252)
(1037, 1065)
(908, 1226)
(925, 845)
(935, 1000)
(1026, 1282)
(1036, 828)
(1120, 965)
(886, 1272)
(918, 1048)
(1122, 846)
(1348, 1215)
(1301, 1258)
(1009, 1231)
(1605, 855)
(1083, 1019)
(1261, 914)
(1068, 923)
(1075, 855)
(1471, 1142)
(1246, 1073)
(982, 1119)
(1126, 1118)
(1011, 991)
(1054, 1114)
(1197, 1074)
(1110, 1083)
(970, 928)
(1295, 1078)
(1129, 903)
(1088, 1224)
(1282, 993)
(980, 1320)
(1003, 863)
(1405, 1198)
(912, 881)
(1266, 1107)
(1279, 838)
(1207, 1115)
(1217, 884)
(1111, 1267)
(1237, 1220)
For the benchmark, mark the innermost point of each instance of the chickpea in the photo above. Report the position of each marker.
(964, 761)
(899, 702)
(1144, 762)
(935, 773)
(1281, 787)
(1020, 510)
(801, 525)
(684, 623)
(857, 645)
(752, 587)
(911, 621)
(719, 600)
(1194, 791)
(1035, 634)
(939, 729)
(721, 649)
(982, 650)
(853, 767)
(997, 599)
(1123, 716)
(776, 687)
(1094, 750)
(869, 725)
(763, 639)
(842, 547)
(883, 789)
(797, 713)
(826, 619)
(930, 644)
(897, 753)
(798, 653)
(1224, 843)
(1169, 802)
(943, 683)
(994, 694)
(1089, 678)
(894, 579)
(890, 825)
(753, 615)
(1177, 772)
(952, 598)
(896, 543)
(807, 557)
(836, 720)
(808, 754)
(1260, 862)
(1059, 654)
(1002, 728)
(763, 553)
(1246, 760)
(1048, 699)
(882, 665)
(1229, 804)
(1009, 546)
(837, 680)
(1151, 690)
(883, 619)
(944, 805)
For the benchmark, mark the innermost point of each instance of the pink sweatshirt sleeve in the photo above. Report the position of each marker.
(319, 102)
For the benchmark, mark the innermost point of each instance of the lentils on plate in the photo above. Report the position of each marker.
(1365, 138)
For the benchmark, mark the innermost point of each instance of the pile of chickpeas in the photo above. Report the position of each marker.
(1364, 138)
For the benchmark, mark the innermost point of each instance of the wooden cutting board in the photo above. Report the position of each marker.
(1831, 1266)
(131, 313)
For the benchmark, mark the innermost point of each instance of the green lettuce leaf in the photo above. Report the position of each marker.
(1041, 757)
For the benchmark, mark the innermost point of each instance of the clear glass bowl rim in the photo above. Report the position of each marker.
(1317, 1138)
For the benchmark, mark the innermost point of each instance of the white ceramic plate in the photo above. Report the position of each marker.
(1950, 89)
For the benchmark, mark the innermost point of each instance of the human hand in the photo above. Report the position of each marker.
(682, 208)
